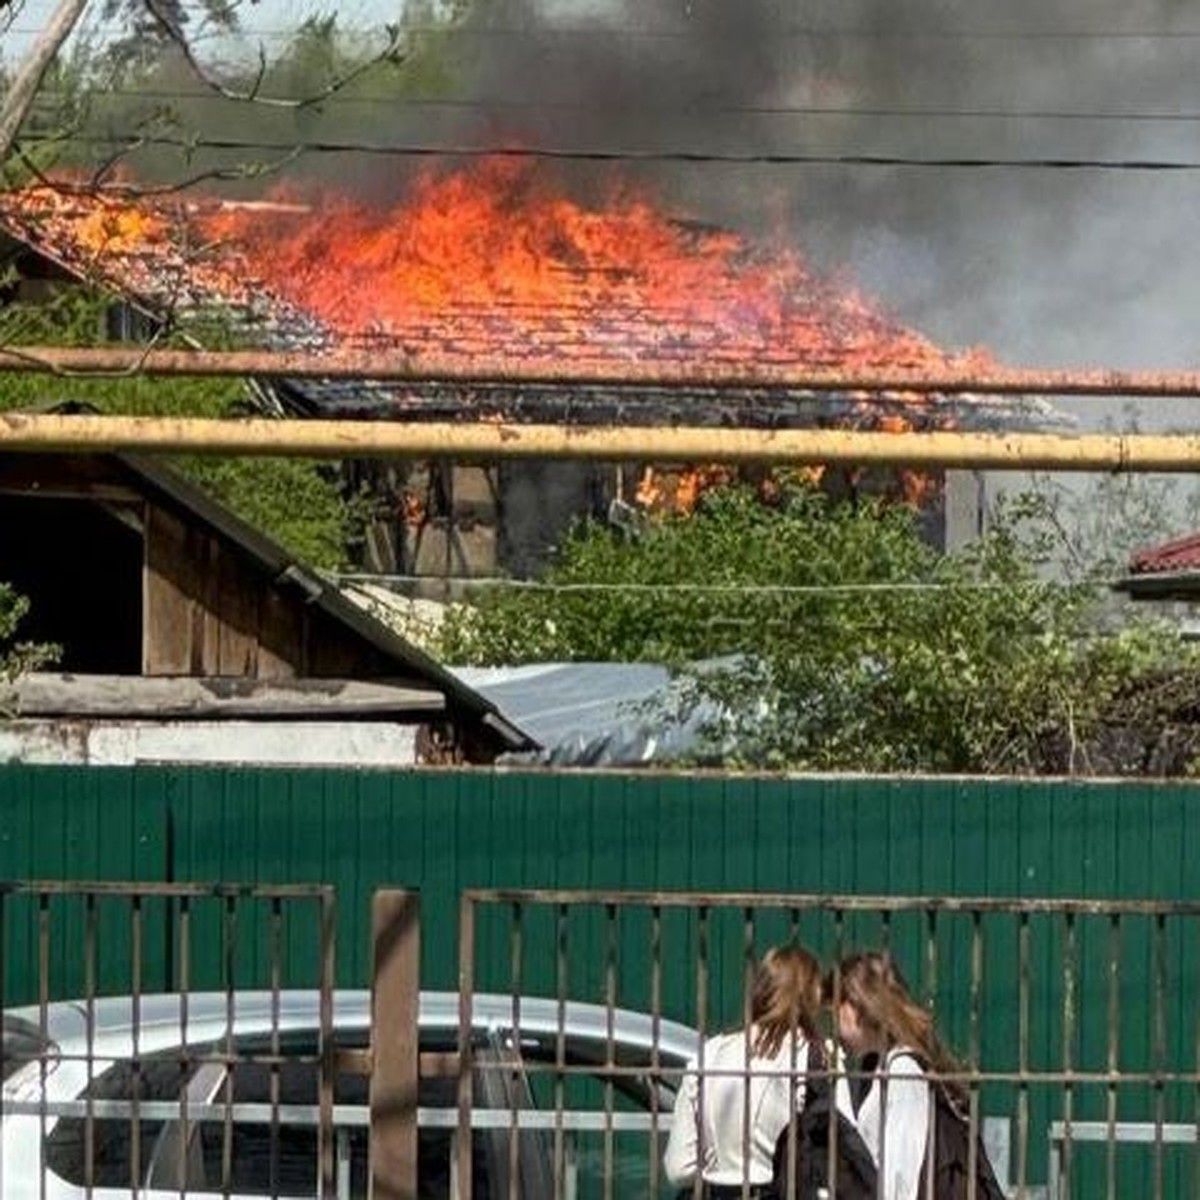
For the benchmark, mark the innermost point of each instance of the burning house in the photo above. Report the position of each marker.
(493, 265)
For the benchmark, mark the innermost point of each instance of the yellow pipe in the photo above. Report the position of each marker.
(487, 441)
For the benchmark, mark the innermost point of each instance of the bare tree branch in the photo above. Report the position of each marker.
(394, 52)
(30, 73)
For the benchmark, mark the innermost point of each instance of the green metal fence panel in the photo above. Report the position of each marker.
(445, 831)
(75, 824)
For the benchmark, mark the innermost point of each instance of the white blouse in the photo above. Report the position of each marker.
(716, 1151)
(895, 1129)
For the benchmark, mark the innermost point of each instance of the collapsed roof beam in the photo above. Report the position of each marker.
(426, 367)
(490, 441)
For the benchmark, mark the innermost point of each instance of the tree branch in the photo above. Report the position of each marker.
(392, 52)
(30, 73)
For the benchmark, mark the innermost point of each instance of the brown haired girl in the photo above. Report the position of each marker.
(708, 1132)
(893, 1040)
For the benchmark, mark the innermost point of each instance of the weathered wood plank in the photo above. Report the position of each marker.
(168, 605)
(47, 694)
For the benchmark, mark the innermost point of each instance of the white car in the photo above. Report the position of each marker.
(79, 1119)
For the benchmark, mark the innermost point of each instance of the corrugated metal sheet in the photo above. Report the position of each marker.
(446, 830)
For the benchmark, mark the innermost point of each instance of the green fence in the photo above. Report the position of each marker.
(447, 831)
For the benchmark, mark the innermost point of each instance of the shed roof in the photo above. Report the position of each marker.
(1169, 571)
(276, 563)
(1180, 554)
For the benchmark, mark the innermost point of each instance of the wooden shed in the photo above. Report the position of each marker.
(143, 579)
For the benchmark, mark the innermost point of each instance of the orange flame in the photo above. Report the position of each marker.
(494, 262)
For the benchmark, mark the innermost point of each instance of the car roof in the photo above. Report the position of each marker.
(161, 1019)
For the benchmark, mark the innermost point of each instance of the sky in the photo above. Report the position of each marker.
(1045, 265)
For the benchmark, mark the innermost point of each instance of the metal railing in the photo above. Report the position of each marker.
(138, 1015)
(206, 1041)
(1074, 1021)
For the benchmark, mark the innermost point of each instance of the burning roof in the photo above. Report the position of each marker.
(493, 264)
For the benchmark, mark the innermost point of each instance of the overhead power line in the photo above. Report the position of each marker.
(1052, 163)
(595, 32)
(617, 107)
(803, 590)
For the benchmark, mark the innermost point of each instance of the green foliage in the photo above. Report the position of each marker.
(298, 502)
(138, 103)
(842, 640)
(18, 657)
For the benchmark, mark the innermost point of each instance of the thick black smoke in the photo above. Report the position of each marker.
(1043, 264)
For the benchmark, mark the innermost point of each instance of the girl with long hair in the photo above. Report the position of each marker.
(728, 1119)
(892, 1042)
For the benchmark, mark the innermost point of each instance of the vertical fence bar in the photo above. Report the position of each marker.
(275, 951)
(4, 951)
(515, 952)
(326, 1151)
(702, 1026)
(1160, 1046)
(43, 1019)
(1070, 1001)
(1023, 976)
(185, 1058)
(395, 1048)
(839, 952)
(514, 1134)
(1196, 1068)
(466, 994)
(610, 1004)
(91, 925)
(794, 1083)
(1113, 1051)
(973, 1051)
(562, 922)
(655, 1043)
(747, 1047)
(229, 959)
(135, 941)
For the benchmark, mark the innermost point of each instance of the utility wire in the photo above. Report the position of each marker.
(497, 103)
(774, 34)
(747, 158)
(718, 589)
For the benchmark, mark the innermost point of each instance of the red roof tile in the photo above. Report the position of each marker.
(1182, 554)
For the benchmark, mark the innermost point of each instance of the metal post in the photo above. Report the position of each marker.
(395, 1057)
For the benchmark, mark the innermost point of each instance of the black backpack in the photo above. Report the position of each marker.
(855, 1169)
(950, 1135)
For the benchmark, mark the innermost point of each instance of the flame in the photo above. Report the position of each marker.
(496, 263)
(679, 491)
(412, 508)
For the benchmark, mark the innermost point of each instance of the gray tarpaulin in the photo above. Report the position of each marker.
(587, 714)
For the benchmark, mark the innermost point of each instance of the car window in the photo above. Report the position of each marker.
(264, 1158)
